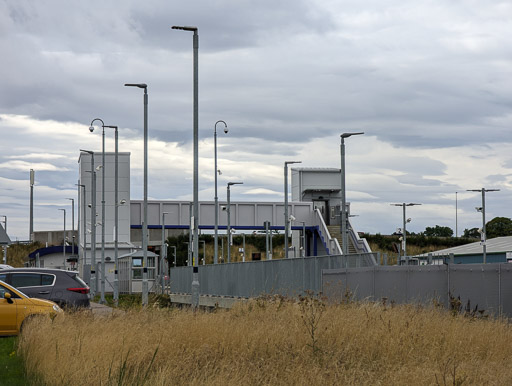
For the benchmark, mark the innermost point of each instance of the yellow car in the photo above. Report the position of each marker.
(16, 307)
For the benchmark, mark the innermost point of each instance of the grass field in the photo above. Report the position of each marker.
(271, 341)
(12, 372)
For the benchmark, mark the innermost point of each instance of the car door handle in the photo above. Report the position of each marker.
(44, 292)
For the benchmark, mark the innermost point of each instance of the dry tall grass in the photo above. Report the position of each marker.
(271, 342)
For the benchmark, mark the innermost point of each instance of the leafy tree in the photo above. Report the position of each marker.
(438, 231)
(471, 233)
(499, 226)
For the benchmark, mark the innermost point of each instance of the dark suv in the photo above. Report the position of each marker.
(65, 288)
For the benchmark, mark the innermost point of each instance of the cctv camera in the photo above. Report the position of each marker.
(292, 217)
(409, 220)
(223, 208)
(89, 205)
(226, 130)
(91, 129)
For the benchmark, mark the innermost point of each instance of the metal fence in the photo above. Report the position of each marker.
(488, 286)
(288, 277)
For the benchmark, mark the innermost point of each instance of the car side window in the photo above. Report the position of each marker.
(3, 277)
(22, 279)
(47, 279)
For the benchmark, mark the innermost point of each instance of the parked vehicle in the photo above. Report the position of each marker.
(16, 308)
(5, 266)
(65, 288)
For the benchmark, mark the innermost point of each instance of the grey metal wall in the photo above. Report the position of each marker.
(288, 277)
(489, 286)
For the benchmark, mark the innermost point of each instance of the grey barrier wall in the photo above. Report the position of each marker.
(487, 285)
(289, 277)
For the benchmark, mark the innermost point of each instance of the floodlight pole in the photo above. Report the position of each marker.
(286, 219)
(404, 230)
(216, 246)
(344, 217)
(229, 217)
(145, 204)
(483, 236)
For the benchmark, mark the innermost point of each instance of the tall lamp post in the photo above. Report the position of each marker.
(404, 231)
(163, 252)
(94, 276)
(456, 216)
(344, 217)
(286, 219)
(5, 246)
(216, 246)
(72, 225)
(145, 204)
(91, 129)
(84, 227)
(195, 249)
(31, 225)
(64, 240)
(229, 216)
(483, 236)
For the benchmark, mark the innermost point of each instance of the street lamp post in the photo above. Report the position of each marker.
(163, 251)
(72, 225)
(483, 236)
(64, 240)
(195, 275)
(404, 230)
(31, 226)
(216, 246)
(145, 204)
(5, 246)
(456, 216)
(344, 217)
(91, 129)
(229, 217)
(94, 276)
(84, 227)
(286, 219)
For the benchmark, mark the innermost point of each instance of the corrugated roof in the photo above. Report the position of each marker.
(498, 244)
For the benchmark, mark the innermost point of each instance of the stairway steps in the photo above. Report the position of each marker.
(334, 230)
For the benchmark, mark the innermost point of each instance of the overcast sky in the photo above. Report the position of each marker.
(430, 84)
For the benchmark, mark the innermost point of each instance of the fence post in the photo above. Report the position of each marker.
(430, 258)
(452, 259)
(378, 258)
(385, 258)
